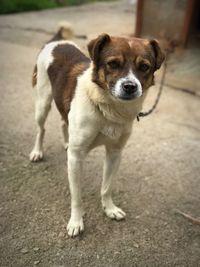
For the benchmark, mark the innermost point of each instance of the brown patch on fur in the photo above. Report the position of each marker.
(69, 62)
(64, 32)
(103, 50)
(34, 76)
(149, 53)
(159, 54)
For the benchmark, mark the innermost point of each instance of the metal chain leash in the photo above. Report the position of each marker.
(144, 114)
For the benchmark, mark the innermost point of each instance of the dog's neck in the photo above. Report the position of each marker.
(112, 109)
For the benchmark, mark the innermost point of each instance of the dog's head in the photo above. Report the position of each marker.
(123, 66)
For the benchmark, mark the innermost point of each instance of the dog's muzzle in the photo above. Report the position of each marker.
(127, 88)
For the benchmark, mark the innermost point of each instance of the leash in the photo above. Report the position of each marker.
(144, 114)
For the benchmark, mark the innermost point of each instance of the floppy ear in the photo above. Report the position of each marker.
(159, 54)
(95, 46)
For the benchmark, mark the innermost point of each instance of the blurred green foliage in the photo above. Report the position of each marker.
(13, 6)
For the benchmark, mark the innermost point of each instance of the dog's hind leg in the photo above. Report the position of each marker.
(75, 171)
(42, 107)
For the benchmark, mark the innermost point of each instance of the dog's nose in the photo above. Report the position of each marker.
(129, 87)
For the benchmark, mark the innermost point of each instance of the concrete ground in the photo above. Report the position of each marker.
(160, 171)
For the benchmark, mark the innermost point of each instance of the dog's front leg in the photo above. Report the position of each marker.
(75, 166)
(111, 165)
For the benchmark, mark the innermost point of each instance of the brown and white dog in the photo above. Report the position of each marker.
(98, 99)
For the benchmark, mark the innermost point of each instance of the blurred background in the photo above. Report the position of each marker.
(159, 178)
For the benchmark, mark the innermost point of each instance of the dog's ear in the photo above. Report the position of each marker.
(95, 46)
(158, 53)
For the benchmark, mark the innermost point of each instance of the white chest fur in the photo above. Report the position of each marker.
(113, 131)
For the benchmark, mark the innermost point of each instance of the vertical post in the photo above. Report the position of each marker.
(186, 23)
(139, 18)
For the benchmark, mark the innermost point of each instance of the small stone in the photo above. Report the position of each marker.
(133, 231)
(24, 250)
(136, 245)
(36, 262)
(36, 249)
(61, 234)
(61, 244)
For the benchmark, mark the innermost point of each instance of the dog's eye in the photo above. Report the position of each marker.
(114, 64)
(144, 67)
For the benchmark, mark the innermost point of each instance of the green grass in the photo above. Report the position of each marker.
(14, 6)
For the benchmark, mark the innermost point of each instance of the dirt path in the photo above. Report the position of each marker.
(159, 172)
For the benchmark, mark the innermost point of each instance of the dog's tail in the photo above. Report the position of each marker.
(65, 32)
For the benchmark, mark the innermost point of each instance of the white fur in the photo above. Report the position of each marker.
(43, 103)
(95, 118)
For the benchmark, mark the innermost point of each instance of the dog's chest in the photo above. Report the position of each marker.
(112, 131)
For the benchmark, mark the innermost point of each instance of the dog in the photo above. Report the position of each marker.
(98, 98)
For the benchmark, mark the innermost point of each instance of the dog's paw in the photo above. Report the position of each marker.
(36, 155)
(115, 213)
(75, 227)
